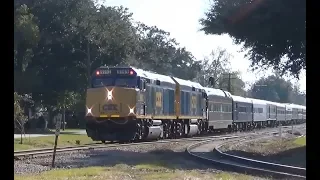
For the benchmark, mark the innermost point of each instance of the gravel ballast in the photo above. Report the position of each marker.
(169, 155)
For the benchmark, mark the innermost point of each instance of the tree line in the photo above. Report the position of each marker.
(58, 43)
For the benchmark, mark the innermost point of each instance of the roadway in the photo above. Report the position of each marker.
(80, 132)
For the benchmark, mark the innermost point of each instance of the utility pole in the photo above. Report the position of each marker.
(213, 81)
(229, 81)
(88, 62)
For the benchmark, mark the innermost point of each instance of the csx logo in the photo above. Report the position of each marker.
(110, 107)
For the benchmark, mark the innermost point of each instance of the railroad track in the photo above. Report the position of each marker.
(244, 165)
(95, 146)
(49, 151)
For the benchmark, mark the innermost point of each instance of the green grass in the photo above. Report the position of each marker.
(301, 141)
(120, 172)
(159, 164)
(48, 141)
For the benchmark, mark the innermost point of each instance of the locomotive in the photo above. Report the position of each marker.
(127, 104)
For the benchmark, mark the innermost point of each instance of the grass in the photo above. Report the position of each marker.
(288, 151)
(139, 172)
(287, 144)
(48, 141)
(275, 145)
(301, 141)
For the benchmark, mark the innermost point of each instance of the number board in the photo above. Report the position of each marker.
(193, 102)
(158, 99)
(110, 108)
(123, 71)
(105, 71)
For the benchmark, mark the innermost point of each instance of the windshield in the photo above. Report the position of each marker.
(110, 81)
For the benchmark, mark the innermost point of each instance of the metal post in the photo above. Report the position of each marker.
(280, 131)
(64, 116)
(58, 126)
(54, 150)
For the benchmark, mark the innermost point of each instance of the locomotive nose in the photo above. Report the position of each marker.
(111, 102)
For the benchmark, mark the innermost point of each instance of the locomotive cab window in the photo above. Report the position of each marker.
(110, 81)
(117, 78)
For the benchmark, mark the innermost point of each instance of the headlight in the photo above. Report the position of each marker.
(89, 113)
(109, 94)
(131, 110)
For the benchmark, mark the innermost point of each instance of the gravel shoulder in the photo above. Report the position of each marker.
(125, 172)
(149, 161)
(288, 150)
(156, 161)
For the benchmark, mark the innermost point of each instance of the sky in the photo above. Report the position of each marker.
(181, 19)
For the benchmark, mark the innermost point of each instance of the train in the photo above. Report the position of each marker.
(126, 104)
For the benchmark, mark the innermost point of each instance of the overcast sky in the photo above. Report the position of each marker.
(181, 19)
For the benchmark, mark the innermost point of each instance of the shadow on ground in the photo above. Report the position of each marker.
(166, 159)
(293, 157)
(152, 161)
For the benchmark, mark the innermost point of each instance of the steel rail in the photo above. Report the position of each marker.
(49, 151)
(243, 165)
(262, 164)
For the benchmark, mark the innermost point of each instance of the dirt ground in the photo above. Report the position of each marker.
(289, 150)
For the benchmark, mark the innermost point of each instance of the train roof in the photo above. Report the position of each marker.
(216, 92)
(164, 78)
(280, 104)
(241, 99)
(272, 103)
(288, 106)
(297, 106)
(153, 76)
(188, 83)
(258, 101)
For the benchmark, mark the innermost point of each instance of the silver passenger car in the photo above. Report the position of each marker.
(219, 109)
(259, 112)
(281, 112)
(288, 112)
(242, 112)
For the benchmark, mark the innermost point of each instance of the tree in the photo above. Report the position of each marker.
(105, 35)
(231, 81)
(58, 43)
(160, 53)
(273, 88)
(298, 97)
(18, 115)
(26, 36)
(214, 66)
(272, 30)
